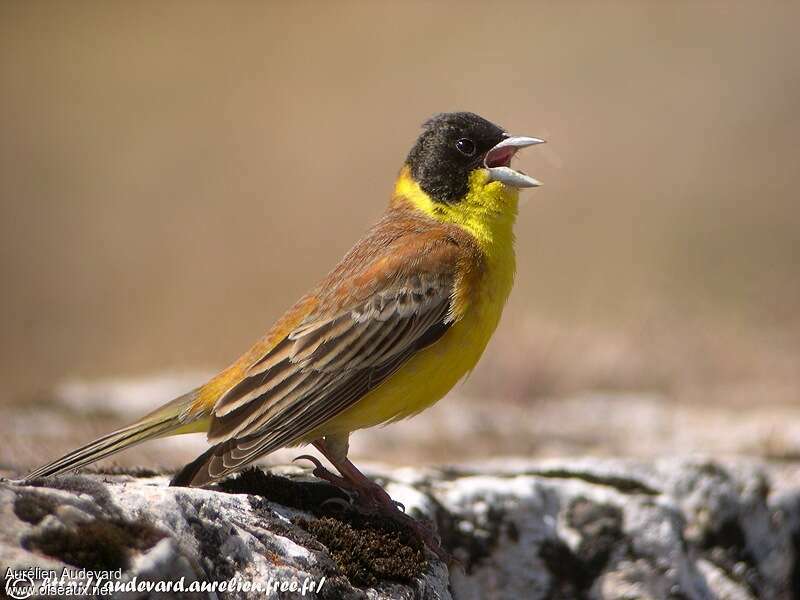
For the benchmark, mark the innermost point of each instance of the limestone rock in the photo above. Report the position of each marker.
(545, 529)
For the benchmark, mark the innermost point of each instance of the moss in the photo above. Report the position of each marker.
(302, 495)
(102, 543)
(366, 548)
(78, 485)
(32, 508)
(140, 472)
(625, 485)
(370, 548)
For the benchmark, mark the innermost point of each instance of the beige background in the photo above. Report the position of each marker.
(172, 176)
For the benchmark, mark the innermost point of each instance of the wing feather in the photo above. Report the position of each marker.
(362, 330)
(356, 343)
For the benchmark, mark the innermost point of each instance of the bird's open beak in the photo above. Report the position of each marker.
(498, 159)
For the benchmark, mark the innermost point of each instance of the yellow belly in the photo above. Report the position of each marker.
(431, 373)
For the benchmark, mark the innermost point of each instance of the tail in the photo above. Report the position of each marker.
(172, 418)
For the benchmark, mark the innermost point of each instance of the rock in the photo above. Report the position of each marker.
(545, 529)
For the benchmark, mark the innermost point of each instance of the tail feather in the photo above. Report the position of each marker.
(188, 475)
(168, 418)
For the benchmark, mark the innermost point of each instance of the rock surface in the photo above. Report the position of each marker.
(546, 529)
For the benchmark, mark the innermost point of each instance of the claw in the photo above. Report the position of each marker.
(320, 472)
(312, 459)
(371, 497)
(340, 502)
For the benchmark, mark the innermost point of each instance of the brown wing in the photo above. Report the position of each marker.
(369, 323)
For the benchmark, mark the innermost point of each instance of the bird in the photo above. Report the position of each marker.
(404, 316)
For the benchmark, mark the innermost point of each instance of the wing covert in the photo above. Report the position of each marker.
(333, 358)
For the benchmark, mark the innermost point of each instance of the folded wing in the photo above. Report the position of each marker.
(364, 330)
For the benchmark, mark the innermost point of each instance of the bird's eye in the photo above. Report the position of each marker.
(466, 147)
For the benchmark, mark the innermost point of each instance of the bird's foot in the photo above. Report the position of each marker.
(375, 500)
(320, 472)
(371, 498)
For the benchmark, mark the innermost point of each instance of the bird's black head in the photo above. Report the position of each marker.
(449, 149)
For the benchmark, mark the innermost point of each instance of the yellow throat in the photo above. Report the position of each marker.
(487, 211)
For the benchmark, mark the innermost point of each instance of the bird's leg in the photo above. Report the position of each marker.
(320, 472)
(374, 497)
(369, 492)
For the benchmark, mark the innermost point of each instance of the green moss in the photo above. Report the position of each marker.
(98, 544)
(369, 549)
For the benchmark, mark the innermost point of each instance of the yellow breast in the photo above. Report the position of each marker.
(487, 213)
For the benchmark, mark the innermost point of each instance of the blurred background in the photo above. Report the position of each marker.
(174, 175)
